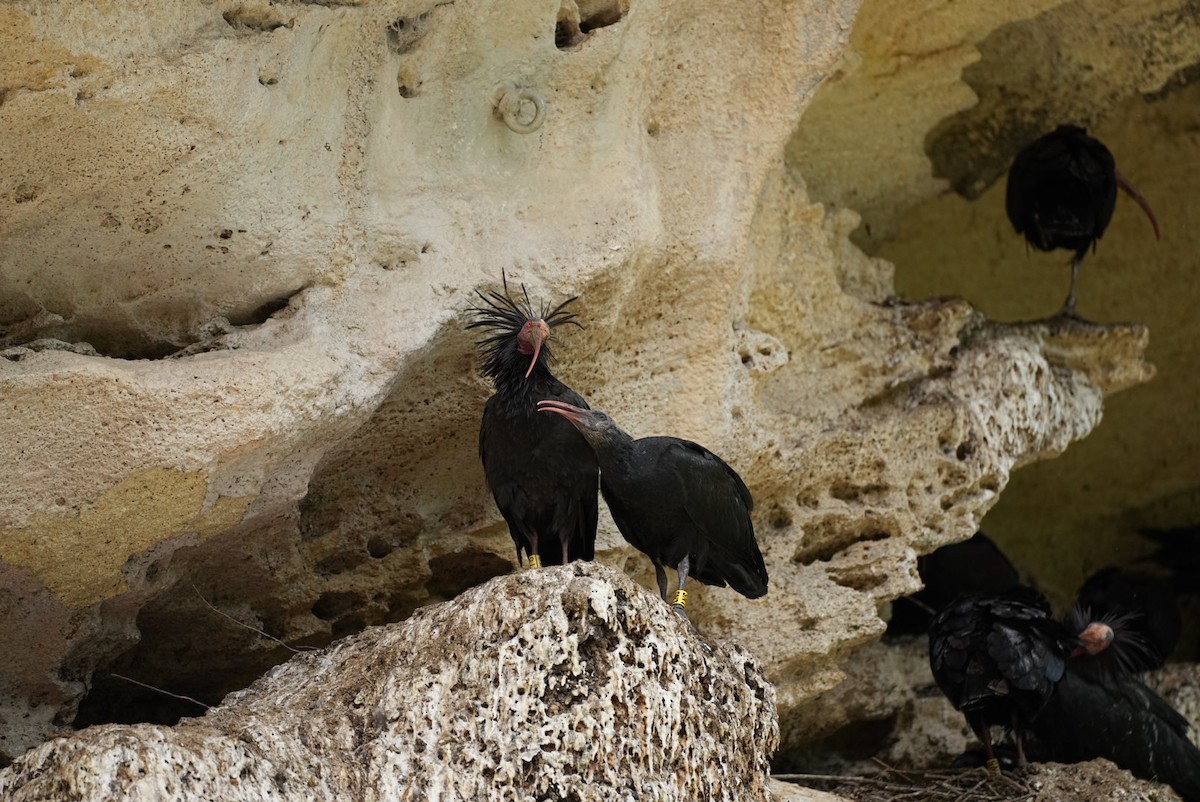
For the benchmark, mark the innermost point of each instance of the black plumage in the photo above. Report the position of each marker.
(1146, 608)
(975, 565)
(677, 502)
(997, 659)
(1061, 193)
(1178, 553)
(1100, 709)
(542, 473)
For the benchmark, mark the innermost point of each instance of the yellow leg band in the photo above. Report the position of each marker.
(680, 598)
(535, 561)
(993, 766)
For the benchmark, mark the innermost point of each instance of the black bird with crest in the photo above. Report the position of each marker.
(1145, 607)
(1061, 193)
(997, 658)
(542, 473)
(1100, 709)
(676, 502)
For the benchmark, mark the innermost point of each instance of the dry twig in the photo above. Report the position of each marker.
(893, 785)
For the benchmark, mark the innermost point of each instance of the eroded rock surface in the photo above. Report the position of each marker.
(564, 683)
(294, 200)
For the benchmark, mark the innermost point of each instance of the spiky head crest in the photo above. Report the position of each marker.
(1126, 652)
(506, 319)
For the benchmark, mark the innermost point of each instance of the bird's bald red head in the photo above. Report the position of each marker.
(1095, 638)
(530, 339)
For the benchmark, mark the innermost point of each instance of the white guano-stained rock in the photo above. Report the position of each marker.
(561, 683)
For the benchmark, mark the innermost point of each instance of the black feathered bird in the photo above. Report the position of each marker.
(1179, 553)
(997, 658)
(1146, 608)
(541, 471)
(1100, 709)
(975, 565)
(1062, 189)
(676, 502)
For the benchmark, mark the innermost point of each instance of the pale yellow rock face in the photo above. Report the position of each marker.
(296, 200)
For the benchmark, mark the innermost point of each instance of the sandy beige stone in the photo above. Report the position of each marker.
(295, 200)
(565, 683)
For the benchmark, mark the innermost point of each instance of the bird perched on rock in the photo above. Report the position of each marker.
(1100, 709)
(1146, 608)
(1062, 189)
(676, 502)
(541, 471)
(997, 658)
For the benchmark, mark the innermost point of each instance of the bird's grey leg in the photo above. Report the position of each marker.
(677, 604)
(535, 560)
(985, 735)
(1068, 308)
(565, 540)
(661, 574)
(1021, 761)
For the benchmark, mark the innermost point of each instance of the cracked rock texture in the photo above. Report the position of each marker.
(566, 683)
(293, 201)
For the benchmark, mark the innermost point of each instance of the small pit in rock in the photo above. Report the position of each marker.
(577, 19)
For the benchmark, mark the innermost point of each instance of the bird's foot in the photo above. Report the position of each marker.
(1068, 315)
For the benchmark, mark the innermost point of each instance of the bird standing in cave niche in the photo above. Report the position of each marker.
(542, 473)
(1099, 709)
(974, 565)
(676, 502)
(997, 658)
(1062, 189)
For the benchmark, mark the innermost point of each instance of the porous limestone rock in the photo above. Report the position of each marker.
(566, 683)
(294, 200)
(1065, 519)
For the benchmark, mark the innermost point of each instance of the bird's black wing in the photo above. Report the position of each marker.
(1124, 722)
(984, 647)
(543, 476)
(1029, 659)
(718, 503)
(582, 479)
(954, 634)
(742, 491)
(1045, 157)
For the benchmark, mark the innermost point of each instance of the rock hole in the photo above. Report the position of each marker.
(404, 33)
(379, 547)
(261, 18)
(835, 542)
(24, 193)
(595, 14)
(578, 18)
(334, 604)
(451, 574)
(567, 33)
